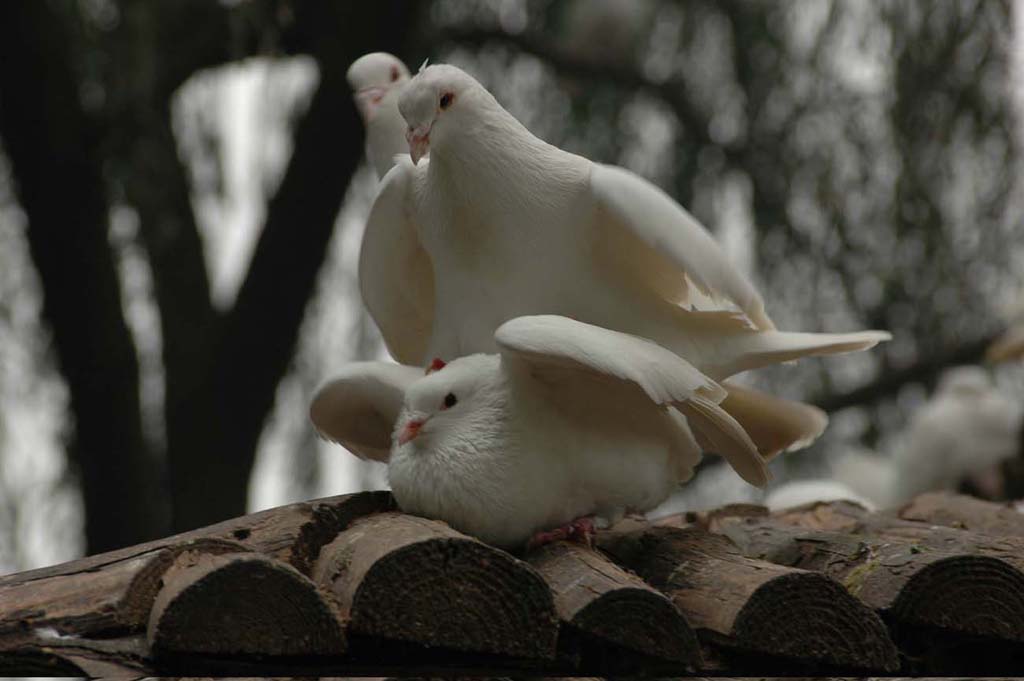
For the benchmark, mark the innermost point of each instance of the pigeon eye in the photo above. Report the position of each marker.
(394, 73)
(446, 100)
(449, 401)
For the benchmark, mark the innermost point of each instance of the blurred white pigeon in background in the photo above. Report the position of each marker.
(567, 421)
(869, 474)
(503, 224)
(800, 492)
(376, 80)
(963, 433)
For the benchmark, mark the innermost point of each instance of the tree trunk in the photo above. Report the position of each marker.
(406, 578)
(60, 186)
(952, 585)
(745, 605)
(965, 513)
(223, 369)
(603, 604)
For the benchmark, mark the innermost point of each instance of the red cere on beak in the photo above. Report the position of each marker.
(411, 430)
(436, 364)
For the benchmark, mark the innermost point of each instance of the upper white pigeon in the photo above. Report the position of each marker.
(376, 80)
(501, 224)
(567, 420)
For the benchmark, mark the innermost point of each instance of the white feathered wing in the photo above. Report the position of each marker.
(661, 244)
(551, 343)
(358, 408)
(396, 277)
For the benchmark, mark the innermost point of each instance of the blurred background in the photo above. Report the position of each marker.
(183, 191)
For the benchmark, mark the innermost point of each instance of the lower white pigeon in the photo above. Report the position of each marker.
(567, 421)
(376, 80)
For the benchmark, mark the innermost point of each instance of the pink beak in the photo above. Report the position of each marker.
(410, 431)
(419, 143)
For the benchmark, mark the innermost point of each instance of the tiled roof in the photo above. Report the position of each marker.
(348, 585)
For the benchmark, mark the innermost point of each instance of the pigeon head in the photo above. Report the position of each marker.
(448, 402)
(439, 101)
(371, 77)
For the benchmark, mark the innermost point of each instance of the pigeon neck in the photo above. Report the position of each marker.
(499, 152)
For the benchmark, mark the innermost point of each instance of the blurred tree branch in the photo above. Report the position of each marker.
(571, 64)
(146, 164)
(221, 369)
(60, 186)
(257, 338)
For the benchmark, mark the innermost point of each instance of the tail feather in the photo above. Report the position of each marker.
(772, 347)
(719, 432)
(775, 424)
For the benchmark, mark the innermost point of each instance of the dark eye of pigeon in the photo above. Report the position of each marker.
(449, 400)
(394, 73)
(446, 100)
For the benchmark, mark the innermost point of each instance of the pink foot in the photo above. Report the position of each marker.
(580, 530)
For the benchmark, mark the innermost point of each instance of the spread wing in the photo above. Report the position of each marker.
(549, 342)
(656, 241)
(396, 278)
(358, 408)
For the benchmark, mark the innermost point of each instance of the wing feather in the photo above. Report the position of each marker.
(726, 437)
(665, 235)
(396, 276)
(358, 408)
(775, 424)
(553, 343)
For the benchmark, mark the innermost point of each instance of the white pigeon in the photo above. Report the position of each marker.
(800, 492)
(868, 474)
(963, 433)
(501, 224)
(376, 80)
(567, 420)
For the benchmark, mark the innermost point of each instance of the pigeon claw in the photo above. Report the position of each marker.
(581, 530)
